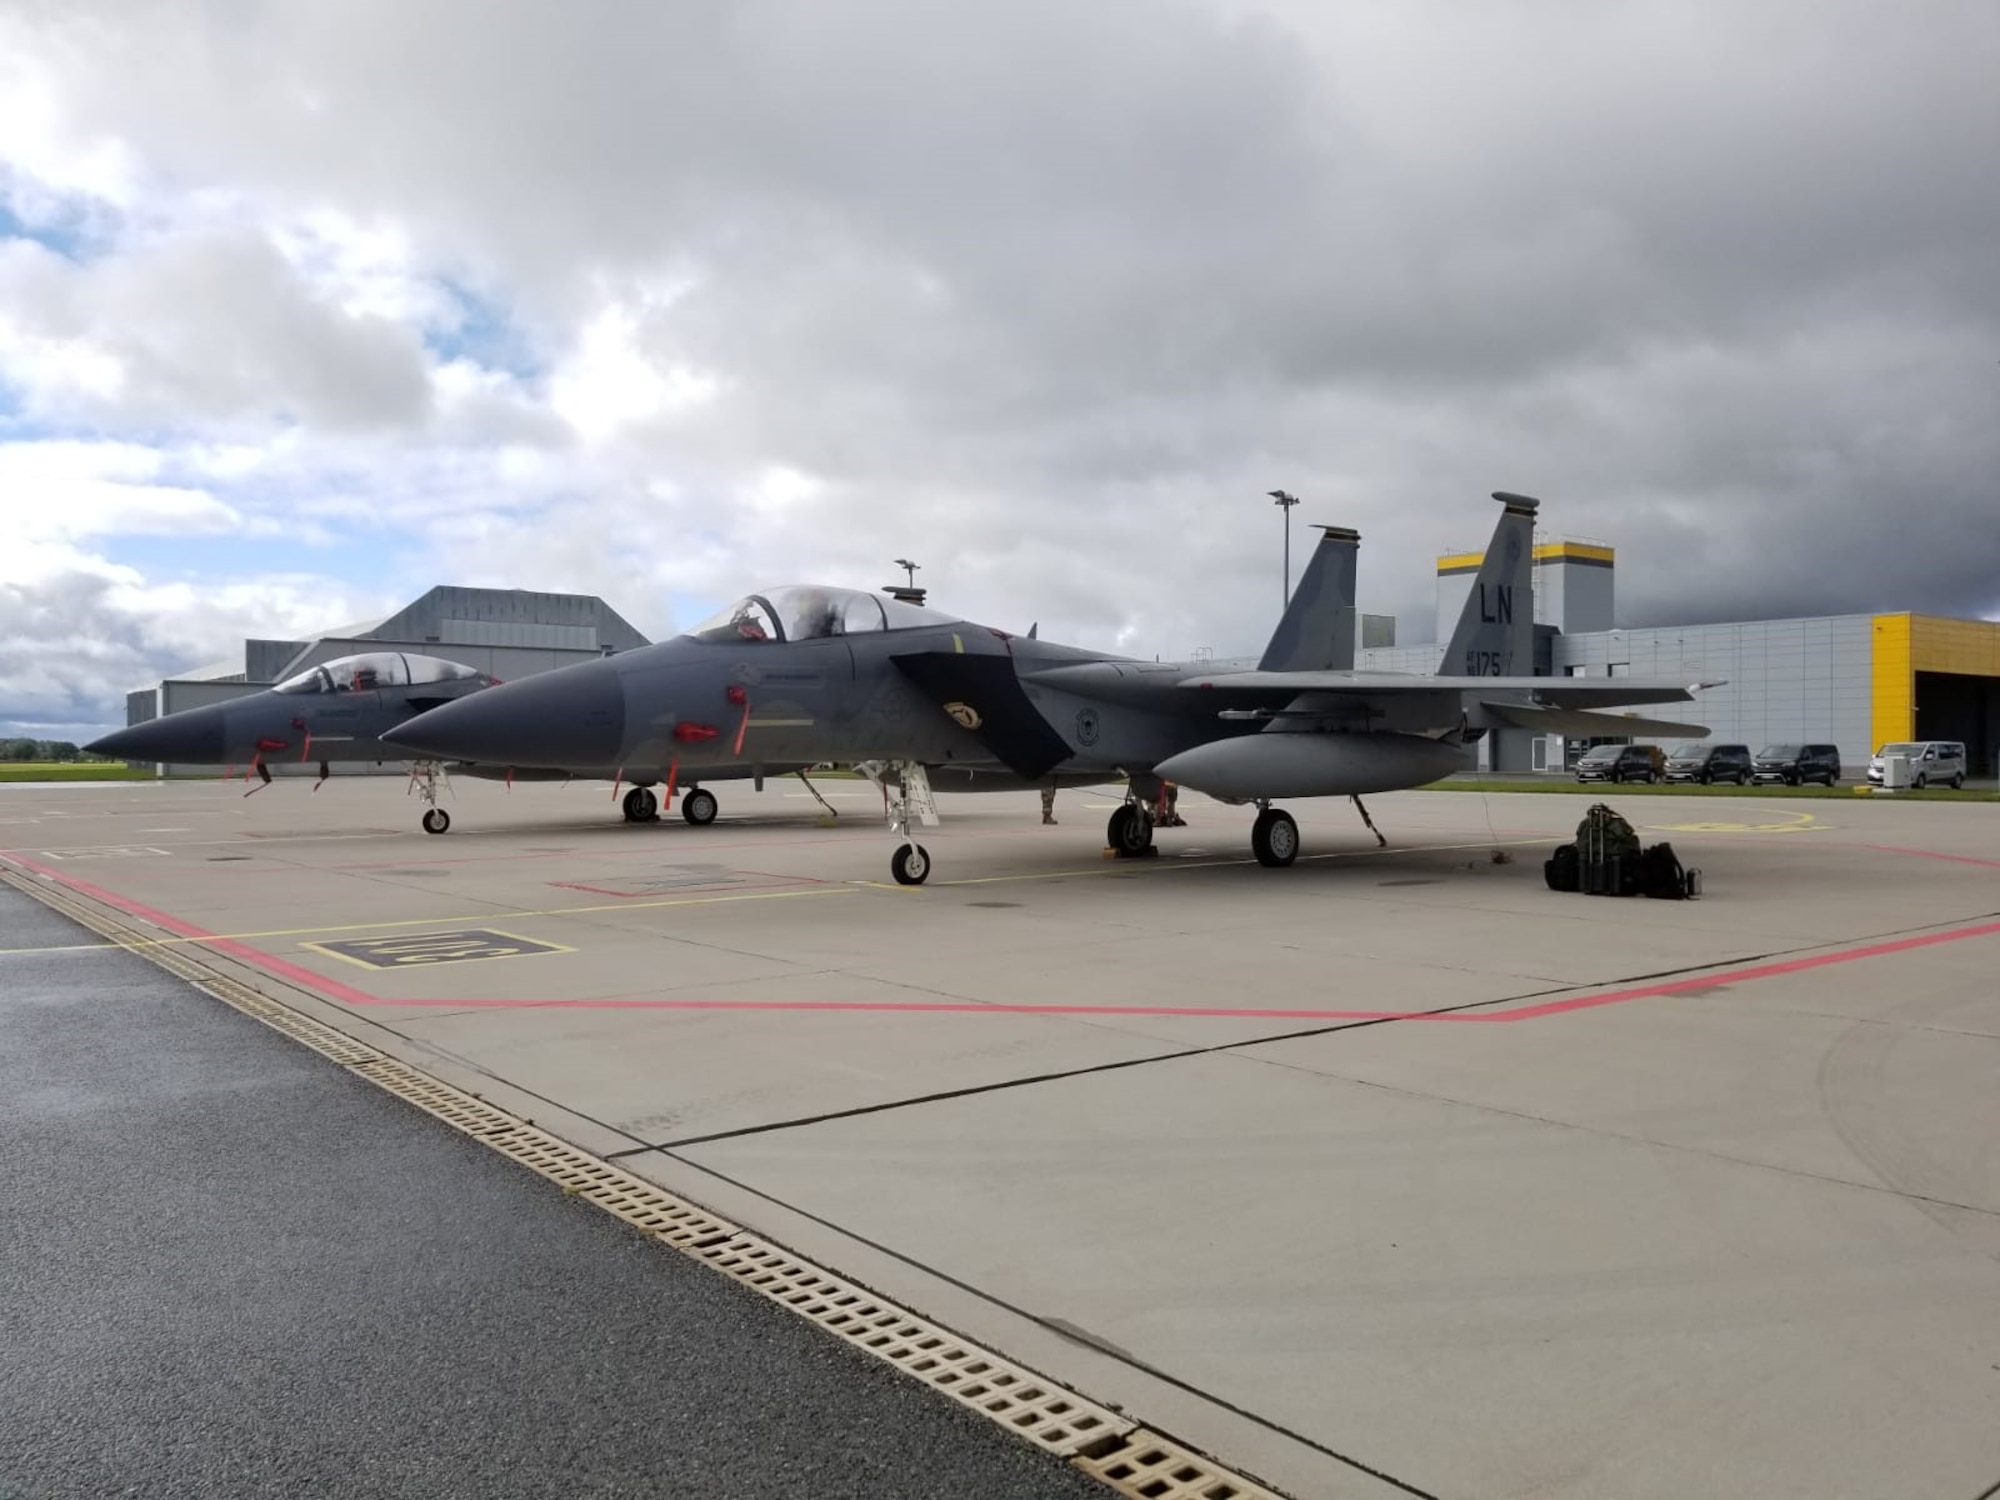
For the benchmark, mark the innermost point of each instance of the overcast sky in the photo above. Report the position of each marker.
(305, 307)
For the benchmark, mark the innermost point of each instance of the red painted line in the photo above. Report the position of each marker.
(1960, 859)
(334, 989)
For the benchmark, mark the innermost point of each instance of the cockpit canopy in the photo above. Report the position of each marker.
(808, 612)
(377, 669)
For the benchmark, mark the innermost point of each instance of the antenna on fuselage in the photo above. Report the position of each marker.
(909, 593)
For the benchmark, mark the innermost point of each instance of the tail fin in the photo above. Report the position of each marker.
(1318, 630)
(1496, 631)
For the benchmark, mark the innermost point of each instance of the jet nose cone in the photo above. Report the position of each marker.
(571, 718)
(194, 737)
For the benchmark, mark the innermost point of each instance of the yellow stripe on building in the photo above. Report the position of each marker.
(1893, 715)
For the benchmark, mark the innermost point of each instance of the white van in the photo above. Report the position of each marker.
(1931, 761)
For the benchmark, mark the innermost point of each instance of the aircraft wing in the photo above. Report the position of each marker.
(1581, 724)
(1562, 692)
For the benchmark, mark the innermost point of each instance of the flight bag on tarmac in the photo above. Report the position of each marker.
(1661, 875)
(1562, 869)
(1608, 852)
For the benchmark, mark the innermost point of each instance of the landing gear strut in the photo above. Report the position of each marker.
(426, 776)
(641, 806)
(911, 863)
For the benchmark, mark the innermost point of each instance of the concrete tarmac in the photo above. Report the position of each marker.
(1390, 1173)
(228, 1268)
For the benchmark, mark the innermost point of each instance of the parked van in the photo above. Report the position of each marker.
(1931, 761)
(1695, 761)
(1795, 765)
(1622, 763)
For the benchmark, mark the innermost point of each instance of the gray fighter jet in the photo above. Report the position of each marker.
(810, 673)
(340, 710)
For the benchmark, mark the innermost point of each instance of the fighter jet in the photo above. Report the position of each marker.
(811, 673)
(339, 711)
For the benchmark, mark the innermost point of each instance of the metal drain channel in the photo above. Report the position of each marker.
(1130, 1459)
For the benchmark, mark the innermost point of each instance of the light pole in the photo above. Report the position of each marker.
(1285, 503)
(909, 567)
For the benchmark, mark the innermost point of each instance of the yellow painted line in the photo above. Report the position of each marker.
(486, 916)
(1795, 823)
(1130, 866)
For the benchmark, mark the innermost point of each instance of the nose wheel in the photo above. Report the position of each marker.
(1274, 838)
(426, 778)
(910, 864)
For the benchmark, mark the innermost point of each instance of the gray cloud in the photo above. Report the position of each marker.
(1050, 296)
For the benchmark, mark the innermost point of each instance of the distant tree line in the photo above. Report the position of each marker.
(43, 750)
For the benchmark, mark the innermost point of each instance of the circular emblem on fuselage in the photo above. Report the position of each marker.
(964, 715)
(1086, 726)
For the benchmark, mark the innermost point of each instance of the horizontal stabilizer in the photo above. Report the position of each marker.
(1577, 723)
(1569, 692)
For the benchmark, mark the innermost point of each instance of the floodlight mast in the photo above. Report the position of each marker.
(1285, 502)
(910, 568)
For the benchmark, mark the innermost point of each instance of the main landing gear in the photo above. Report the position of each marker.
(642, 805)
(426, 776)
(1129, 833)
(698, 806)
(1274, 837)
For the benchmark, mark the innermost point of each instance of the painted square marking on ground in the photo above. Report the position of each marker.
(413, 950)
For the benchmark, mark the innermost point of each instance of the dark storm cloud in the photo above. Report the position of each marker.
(1056, 293)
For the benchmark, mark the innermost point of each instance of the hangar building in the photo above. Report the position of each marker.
(508, 633)
(1857, 681)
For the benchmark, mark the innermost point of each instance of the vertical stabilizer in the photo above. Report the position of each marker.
(1496, 630)
(1318, 630)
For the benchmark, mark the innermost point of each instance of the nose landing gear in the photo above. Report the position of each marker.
(426, 776)
(911, 863)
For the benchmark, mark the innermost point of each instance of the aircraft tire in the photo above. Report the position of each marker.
(699, 807)
(910, 864)
(437, 820)
(641, 806)
(1274, 838)
(1128, 833)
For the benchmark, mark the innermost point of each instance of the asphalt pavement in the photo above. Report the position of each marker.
(229, 1268)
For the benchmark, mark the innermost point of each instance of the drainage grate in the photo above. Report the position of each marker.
(1130, 1459)
(632, 1199)
(1044, 1413)
(1144, 1463)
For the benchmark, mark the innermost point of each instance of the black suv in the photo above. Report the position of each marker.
(1710, 763)
(1622, 763)
(1795, 765)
